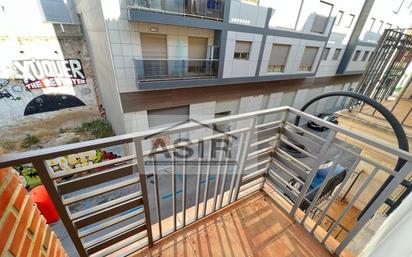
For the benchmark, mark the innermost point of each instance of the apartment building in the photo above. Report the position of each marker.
(202, 59)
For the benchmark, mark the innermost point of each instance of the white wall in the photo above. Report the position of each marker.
(241, 68)
(340, 34)
(94, 14)
(386, 11)
(201, 112)
(24, 35)
(246, 13)
(393, 238)
(295, 54)
(359, 65)
(126, 46)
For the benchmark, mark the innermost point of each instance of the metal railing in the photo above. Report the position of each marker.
(211, 9)
(165, 179)
(166, 69)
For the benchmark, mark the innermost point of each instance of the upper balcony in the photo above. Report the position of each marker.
(261, 185)
(209, 9)
(158, 69)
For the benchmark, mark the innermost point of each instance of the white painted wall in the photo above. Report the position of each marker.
(94, 13)
(359, 65)
(394, 236)
(126, 46)
(386, 11)
(24, 35)
(247, 13)
(241, 68)
(201, 112)
(294, 57)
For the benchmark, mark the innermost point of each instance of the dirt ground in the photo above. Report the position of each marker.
(51, 129)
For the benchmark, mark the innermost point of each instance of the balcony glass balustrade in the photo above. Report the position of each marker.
(212, 9)
(156, 69)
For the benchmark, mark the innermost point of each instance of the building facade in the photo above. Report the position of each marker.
(202, 59)
(45, 65)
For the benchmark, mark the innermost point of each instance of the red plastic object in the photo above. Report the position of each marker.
(40, 197)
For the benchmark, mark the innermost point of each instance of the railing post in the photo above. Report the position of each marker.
(275, 145)
(244, 156)
(142, 175)
(318, 161)
(406, 169)
(49, 184)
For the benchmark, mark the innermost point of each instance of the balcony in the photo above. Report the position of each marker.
(157, 69)
(193, 189)
(209, 9)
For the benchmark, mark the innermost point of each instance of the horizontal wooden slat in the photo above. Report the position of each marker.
(262, 141)
(285, 169)
(253, 183)
(124, 243)
(105, 205)
(289, 163)
(257, 164)
(114, 237)
(272, 123)
(285, 155)
(100, 190)
(285, 183)
(253, 176)
(106, 224)
(108, 212)
(95, 178)
(259, 152)
(289, 143)
(302, 140)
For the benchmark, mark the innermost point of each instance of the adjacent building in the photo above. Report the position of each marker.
(209, 58)
(202, 59)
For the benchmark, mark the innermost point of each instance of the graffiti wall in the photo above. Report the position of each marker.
(40, 75)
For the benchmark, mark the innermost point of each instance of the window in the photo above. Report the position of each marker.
(242, 49)
(350, 20)
(370, 56)
(168, 116)
(356, 55)
(278, 58)
(321, 17)
(308, 58)
(325, 53)
(365, 56)
(339, 17)
(336, 54)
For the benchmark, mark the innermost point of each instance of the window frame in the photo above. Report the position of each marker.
(242, 56)
(271, 68)
(325, 56)
(356, 55)
(306, 68)
(365, 56)
(336, 57)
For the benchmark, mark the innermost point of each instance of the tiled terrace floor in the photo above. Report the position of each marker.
(256, 226)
